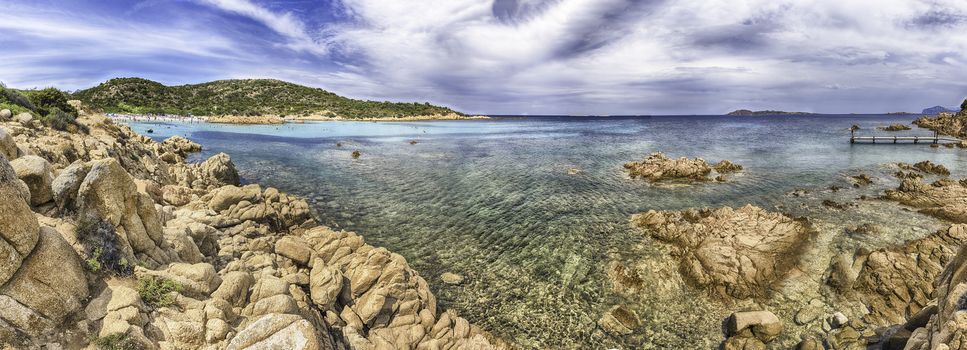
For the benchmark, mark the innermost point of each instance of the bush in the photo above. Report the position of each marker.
(12, 97)
(156, 291)
(963, 106)
(102, 251)
(49, 100)
(58, 119)
(116, 341)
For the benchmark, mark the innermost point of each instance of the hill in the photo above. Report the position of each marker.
(937, 110)
(248, 98)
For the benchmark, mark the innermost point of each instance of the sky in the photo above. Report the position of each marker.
(577, 57)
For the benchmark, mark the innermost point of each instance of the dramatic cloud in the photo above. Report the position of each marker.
(521, 56)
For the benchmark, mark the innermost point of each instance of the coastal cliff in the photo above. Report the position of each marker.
(113, 240)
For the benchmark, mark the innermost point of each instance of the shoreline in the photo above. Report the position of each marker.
(276, 120)
(255, 259)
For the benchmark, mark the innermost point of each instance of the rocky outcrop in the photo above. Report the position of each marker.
(238, 267)
(895, 282)
(658, 167)
(946, 123)
(896, 127)
(925, 167)
(945, 199)
(736, 253)
(109, 193)
(41, 278)
(942, 325)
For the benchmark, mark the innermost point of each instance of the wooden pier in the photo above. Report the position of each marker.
(935, 138)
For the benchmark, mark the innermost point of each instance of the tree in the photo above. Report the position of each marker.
(963, 106)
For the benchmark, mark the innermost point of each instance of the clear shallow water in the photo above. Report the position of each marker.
(493, 200)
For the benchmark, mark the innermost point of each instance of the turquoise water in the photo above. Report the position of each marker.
(498, 201)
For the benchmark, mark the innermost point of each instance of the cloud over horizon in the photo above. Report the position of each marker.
(516, 56)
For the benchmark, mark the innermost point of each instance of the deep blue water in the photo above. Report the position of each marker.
(494, 200)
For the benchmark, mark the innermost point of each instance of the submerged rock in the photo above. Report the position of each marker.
(619, 320)
(451, 278)
(736, 253)
(751, 330)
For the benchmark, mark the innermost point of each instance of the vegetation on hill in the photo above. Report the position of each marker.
(48, 105)
(241, 98)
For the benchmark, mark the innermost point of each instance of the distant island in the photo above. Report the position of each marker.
(248, 101)
(938, 109)
(749, 113)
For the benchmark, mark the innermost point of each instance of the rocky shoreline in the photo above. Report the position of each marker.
(113, 240)
(901, 296)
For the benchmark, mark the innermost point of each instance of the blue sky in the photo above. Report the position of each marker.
(515, 56)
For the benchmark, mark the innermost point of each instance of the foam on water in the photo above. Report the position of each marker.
(493, 200)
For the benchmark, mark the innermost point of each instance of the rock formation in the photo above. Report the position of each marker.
(658, 167)
(896, 127)
(945, 199)
(943, 323)
(216, 265)
(735, 253)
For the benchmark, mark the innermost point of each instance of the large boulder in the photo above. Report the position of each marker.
(19, 229)
(8, 148)
(180, 145)
(220, 169)
(5, 114)
(24, 118)
(279, 331)
(66, 185)
(736, 253)
(109, 193)
(37, 174)
(49, 286)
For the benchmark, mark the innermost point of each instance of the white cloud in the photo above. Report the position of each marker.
(614, 56)
(285, 24)
(536, 56)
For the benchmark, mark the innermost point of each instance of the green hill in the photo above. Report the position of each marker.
(254, 97)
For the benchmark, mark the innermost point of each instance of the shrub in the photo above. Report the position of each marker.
(156, 291)
(102, 251)
(49, 100)
(963, 106)
(56, 118)
(116, 341)
(12, 97)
